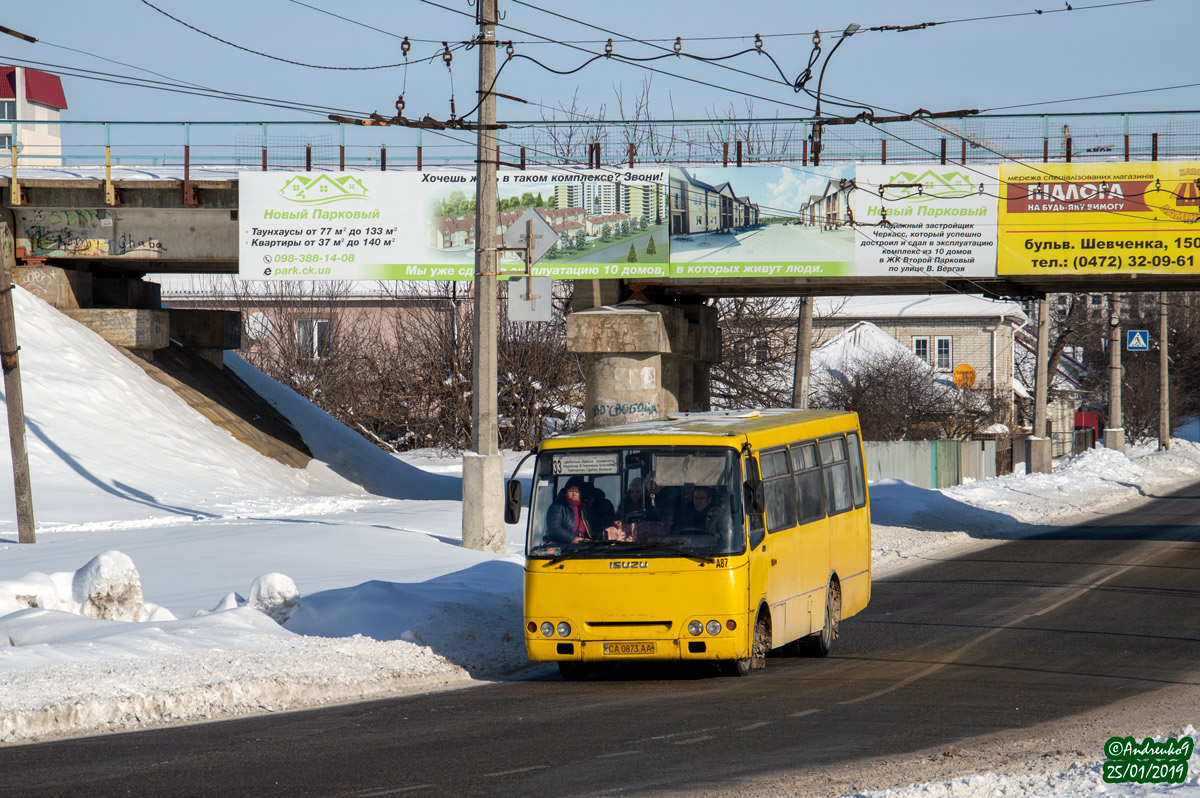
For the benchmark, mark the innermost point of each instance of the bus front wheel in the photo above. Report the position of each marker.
(758, 656)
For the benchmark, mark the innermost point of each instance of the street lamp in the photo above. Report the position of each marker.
(851, 29)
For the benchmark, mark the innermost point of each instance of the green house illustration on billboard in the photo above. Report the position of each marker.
(323, 189)
(933, 185)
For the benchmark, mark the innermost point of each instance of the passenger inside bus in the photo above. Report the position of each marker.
(566, 520)
(703, 516)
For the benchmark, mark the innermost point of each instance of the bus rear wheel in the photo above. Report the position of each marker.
(819, 645)
(758, 655)
(573, 671)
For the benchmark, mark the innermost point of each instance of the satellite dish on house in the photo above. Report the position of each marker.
(963, 376)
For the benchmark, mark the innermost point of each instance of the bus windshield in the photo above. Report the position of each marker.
(665, 501)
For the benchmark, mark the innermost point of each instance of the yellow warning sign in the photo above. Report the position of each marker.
(963, 376)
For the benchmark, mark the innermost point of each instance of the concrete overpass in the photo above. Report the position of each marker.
(85, 241)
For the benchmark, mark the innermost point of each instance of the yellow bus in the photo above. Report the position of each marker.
(706, 536)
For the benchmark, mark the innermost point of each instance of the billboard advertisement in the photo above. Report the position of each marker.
(914, 220)
(1116, 218)
(421, 225)
(729, 222)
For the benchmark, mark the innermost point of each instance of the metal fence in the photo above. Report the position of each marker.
(1139, 136)
(930, 464)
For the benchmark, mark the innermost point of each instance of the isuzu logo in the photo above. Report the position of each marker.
(629, 564)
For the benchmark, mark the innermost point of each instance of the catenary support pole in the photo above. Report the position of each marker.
(483, 489)
(1164, 377)
(1114, 435)
(1041, 446)
(26, 532)
(803, 368)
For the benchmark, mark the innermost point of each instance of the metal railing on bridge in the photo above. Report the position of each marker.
(610, 143)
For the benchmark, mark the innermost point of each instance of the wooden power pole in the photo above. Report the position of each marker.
(26, 532)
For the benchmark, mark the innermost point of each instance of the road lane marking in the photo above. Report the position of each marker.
(758, 725)
(394, 791)
(804, 713)
(694, 740)
(958, 652)
(618, 753)
(514, 771)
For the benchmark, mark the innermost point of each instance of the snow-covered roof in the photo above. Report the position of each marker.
(863, 341)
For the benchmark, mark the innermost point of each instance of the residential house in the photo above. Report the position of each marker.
(595, 224)
(35, 98)
(831, 209)
(698, 207)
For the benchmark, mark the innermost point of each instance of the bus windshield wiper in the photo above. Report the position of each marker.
(590, 546)
(673, 548)
(586, 547)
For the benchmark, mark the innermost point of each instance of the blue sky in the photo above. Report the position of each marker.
(984, 64)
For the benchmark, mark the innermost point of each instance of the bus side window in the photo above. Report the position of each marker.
(757, 530)
(810, 491)
(837, 474)
(857, 475)
(780, 490)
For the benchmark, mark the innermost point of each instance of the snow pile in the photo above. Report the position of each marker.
(66, 674)
(82, 652)
(1081, 778)
(276, 596)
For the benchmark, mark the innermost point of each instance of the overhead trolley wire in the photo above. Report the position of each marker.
(293, 62)
(620, 58)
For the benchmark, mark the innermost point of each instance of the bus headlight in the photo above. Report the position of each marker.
(695, 628)
(713, 627)
(564, 629)
(547, 629)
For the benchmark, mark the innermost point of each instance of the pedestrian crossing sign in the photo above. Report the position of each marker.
(1137, 340)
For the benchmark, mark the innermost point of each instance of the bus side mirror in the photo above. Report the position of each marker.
(753, 488)
(754, 497)
(512, 501)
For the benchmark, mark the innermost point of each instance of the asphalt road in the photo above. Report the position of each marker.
(1002, 638)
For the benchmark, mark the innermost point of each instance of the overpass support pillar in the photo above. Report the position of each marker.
(642, 361)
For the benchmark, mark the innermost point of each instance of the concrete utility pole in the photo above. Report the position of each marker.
(483, 473)
(803, 368)
(26, 532)
(1041, 450)
(1114, 435)
(1164, 381)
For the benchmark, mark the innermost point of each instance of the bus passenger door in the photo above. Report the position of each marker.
(758, 551)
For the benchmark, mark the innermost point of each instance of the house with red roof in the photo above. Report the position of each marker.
(36, 99)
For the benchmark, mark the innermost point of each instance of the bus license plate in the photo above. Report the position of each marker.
(628, 649)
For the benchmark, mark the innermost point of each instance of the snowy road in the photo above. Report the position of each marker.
(994, 640)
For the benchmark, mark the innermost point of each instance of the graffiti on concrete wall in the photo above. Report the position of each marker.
(39, 282)
(62, 233)
(625, 411)
(80, 233)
